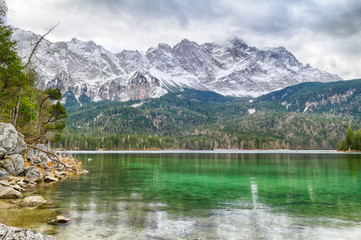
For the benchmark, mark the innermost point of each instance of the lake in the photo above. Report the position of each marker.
(203, 195)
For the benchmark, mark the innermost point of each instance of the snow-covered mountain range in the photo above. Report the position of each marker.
(233, 68)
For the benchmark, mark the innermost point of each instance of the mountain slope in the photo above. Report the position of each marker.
(342, 98)
(82, 69)
(193, 119)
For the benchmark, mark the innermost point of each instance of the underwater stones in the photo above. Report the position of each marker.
(32, 201)
(59, 219)
(14, 233)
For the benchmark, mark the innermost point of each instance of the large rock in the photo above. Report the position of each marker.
(11, 140)
(39, 157)
(33, 174)
(9, 193)
(4, 174)
(32, 201)
(13, 164)
(14, 233)
(35, 152)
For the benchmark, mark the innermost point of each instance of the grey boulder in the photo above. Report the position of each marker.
(14, 233)
(33, 174)
(14, 164)
(10, 140)
(4, 174)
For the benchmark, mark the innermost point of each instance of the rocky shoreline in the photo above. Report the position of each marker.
(23, 166)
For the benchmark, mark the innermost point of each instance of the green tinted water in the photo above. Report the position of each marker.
(208, 196)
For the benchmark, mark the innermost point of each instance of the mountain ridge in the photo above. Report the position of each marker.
(234, 68)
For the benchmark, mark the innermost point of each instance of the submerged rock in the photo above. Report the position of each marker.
(14, 164)
(10, 140)
(14, 233)
(32, 201)
(60, 219)
(9, 193)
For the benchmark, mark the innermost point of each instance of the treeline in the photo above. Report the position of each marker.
(298, 130)
(36, 113)
(142, 142)
(175, 126)
(352, 141)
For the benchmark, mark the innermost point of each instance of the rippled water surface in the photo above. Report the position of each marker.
(204, 196)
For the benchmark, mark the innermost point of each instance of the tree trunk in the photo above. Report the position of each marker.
(1, 113)
(16, 110)
(31, 112)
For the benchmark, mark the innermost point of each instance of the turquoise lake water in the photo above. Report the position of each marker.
(206, 196)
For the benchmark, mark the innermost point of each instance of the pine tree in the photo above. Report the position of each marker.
(21, 103)
(357, 141)
(349, 137)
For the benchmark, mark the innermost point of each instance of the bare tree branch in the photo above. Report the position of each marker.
(36, 46)
(48, 153)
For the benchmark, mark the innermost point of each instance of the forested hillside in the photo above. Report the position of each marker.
(193, 119)
(339, 98)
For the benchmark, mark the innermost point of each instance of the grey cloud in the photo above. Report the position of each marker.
(262, 16)
(182, 11)
(337, 18)
(343, 23)
(302, 26)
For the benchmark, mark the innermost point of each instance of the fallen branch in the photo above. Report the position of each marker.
(49, 153)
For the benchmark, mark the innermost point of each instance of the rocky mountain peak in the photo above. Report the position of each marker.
(236, 42)
(234, 68)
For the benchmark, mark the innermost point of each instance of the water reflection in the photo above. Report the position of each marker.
(213, 196)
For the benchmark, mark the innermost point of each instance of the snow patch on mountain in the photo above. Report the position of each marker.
(86, 69)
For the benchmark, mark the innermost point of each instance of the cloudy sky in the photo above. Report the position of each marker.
(324, 33)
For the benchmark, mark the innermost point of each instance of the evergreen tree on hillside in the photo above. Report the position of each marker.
(12, 79)
(21, 103)
(352, 141)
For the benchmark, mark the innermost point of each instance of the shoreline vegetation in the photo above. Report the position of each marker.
(351, 143)
(236, 151)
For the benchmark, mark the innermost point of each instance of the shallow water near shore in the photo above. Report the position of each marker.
(203, 196)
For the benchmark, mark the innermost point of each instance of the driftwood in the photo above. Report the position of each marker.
(49, 154)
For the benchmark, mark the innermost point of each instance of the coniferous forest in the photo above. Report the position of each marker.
(36, 113)
(193, 119)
